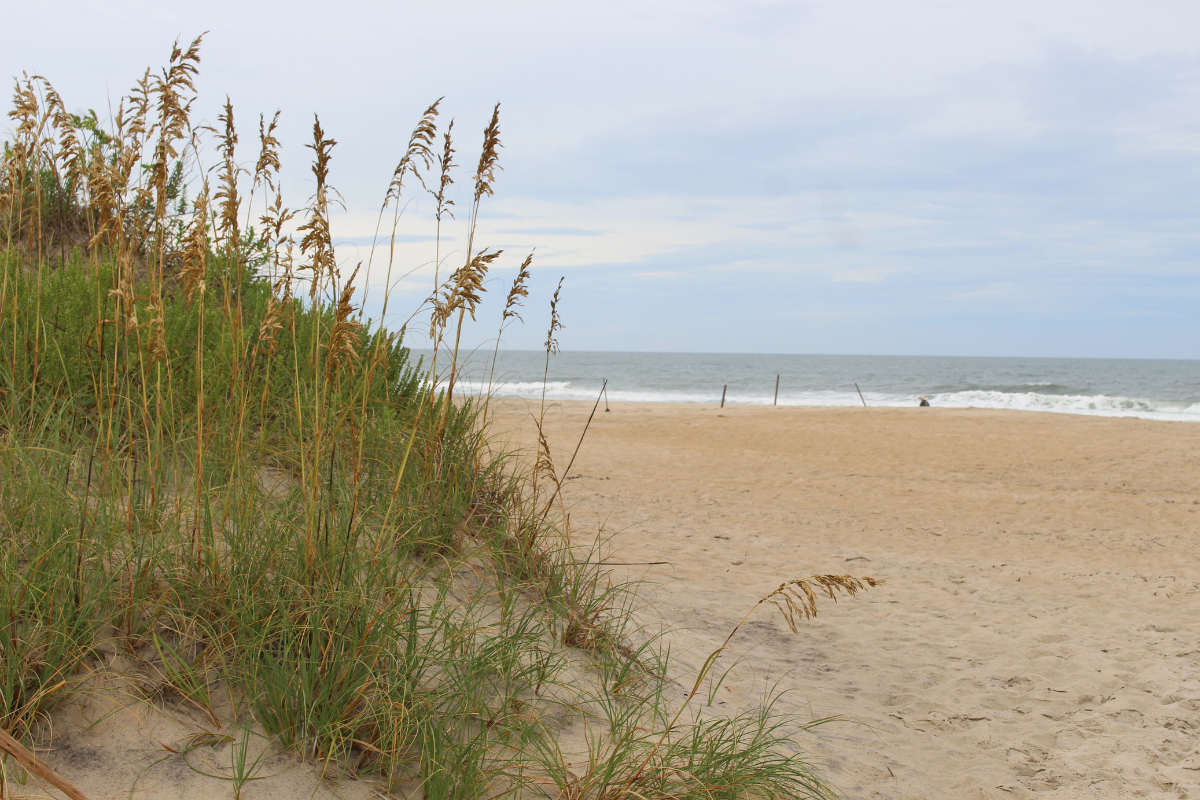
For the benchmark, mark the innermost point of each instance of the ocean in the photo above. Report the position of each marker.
(1151, 389)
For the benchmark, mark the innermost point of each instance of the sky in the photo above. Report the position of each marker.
(920, 178)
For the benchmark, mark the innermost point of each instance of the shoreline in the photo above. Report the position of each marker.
(676, 406)
(1103, 387)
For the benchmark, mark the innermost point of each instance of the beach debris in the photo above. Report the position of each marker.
(38, 767)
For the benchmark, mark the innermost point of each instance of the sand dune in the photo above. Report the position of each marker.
(1039, 631)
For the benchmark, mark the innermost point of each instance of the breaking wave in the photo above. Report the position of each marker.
(1051, 398)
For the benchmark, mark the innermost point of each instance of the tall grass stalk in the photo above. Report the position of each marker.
(241, 487)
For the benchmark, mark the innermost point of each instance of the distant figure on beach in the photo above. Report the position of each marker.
(924, 401)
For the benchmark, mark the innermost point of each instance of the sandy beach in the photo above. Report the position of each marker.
(1039, 631)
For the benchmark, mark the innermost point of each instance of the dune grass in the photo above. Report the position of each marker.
(218, 481)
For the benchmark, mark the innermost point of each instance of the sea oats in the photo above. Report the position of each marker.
(283, 503)
(194, 271)
(417, 152)
(317, 244)
(485, 172)
(343, 335)
(226, 199)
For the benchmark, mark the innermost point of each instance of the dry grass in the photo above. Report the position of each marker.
(397, 601)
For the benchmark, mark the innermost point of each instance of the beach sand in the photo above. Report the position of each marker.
(1039, 631)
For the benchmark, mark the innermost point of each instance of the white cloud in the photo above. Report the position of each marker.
(852, 155)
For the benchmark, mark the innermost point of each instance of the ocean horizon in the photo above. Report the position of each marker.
(1164, 389)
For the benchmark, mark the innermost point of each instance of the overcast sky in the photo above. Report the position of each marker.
(919, 177)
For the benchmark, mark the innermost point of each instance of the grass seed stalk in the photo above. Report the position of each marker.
(241, 489)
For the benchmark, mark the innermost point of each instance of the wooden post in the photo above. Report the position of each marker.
(860, 397)
(723, 388)
(776, 391)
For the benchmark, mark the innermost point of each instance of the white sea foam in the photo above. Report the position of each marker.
(1098, 405)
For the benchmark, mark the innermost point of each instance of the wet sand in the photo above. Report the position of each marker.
(1039, 631)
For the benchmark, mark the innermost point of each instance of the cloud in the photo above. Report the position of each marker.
(383, 239)
(551, 231)
(715, 175)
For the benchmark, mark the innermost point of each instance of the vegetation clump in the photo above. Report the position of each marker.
(215, 473)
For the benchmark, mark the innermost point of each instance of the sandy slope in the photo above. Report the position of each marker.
(1039, 628)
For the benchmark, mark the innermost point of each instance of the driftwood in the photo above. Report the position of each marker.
(38, 767)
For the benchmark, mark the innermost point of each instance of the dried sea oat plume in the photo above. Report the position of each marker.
(227, 199)
(267, 340)
(195, 249)
(551, 344)
(518, 290)
(317, 243)
(417, 151)
(268, 153)
(286, 264)
(343, 336)
(468, 280)
(511, 303)
(797, 599)
(125, 293)
(445, 163)
(71, 152)
(462, 291)
(25, 111)
(544, 466)
(139, 110)
(173, 110)
(274, 218)
(156, 342)
(485, 173)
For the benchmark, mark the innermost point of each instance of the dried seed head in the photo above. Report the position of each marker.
(139, 109)
(268, 331)
(71, 153)
(485, 173)
(103, 204)
(518, 290)
(175, 90)
(463, 288)
(268, 153)
(287, 263)
(317, 243)
(273, 220)
(227, 200)
(417, 151)
(797, 599)
(556, 325)
(25, 110)
(343, 336)
(195, 248)
(156, 341)
(445, 163)
(125, 293)
(544, 465)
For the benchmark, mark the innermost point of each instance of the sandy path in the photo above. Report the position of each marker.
(1040, 626)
